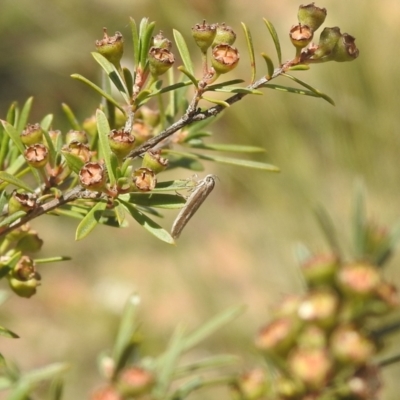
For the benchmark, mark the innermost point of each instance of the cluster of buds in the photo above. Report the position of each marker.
(131, 382)
(332, 45)
(220, 38)
(319, 342)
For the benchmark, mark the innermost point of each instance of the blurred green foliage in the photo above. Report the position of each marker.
(239, 248)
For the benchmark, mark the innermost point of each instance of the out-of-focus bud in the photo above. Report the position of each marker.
(37, 155)
(311, 16)
(24, 279)
(78, 149)
(278, 337)
(204, 35)
(224, 58)
(312, 337)
(76, 136)
(345, 49)
(135, 381)
(54, 135)
(224, 35)
(300, 35)
(289, 389)
(161, 41)
(319, 307)
(365, 384)
(21, 201)
(377, 241)
(111, 47)
(349, 346)
(288, 306)
(152, 159)
(106, 393)
(160, 61)
(144, 179)
(121, 142)
(141, 131)
(32, 134)
(149, 116)
(311, 366)
(320, 270)
(358, 279)
(93, 176)
(90, 125)
(252, 385)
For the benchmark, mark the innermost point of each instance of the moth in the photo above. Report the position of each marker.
(199, 194)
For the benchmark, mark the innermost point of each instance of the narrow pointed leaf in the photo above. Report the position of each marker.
(224, 84)
(24, 117)
(14, 135)
(98, 90)
(359, 220)
(90, 220)
(326, 224)
(104, 129)
(299, 67)
(7, 333)
(250, 48)
(227, 147)
(158, 200)
(216, 101)
(46, 122)
(145, 42)
(74, 162)
(175, 86)
(196, 135)
(270, 64)
(239, 90)
(180, 184)
(148, 224)
(128, 81)
(211, 326)
(12, 113)
(56, 389)
(71, 117)
(186, 72)
(46, 373)
(49, 260)
(135, 40)
(307, 86)
(13, 180)
(183, 51)
(275, 39)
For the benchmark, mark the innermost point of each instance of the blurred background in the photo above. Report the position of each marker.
(239, 248)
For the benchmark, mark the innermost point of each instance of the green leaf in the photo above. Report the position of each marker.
(158, 200)
(46, 122)
(183, 51)
(298, 91)
(7, 333)
(238, 90)
(98, 90)
(12, 113)
(183, 160)
(226, 147)
(145, 36)
(213, 325)
(127, 328)
(175, 86)
(299, 67)
(90, 220)
(221, 103)
(113, 74)
(167, 363)
(105, 151)
(49, 260)
(46, 373)
(74, 162)
(13, 217)
(270, 64)
(275, 39)
(307, 86)
(180, 184)
(196, 135)
(135, 40)
(326, 224)
(250, 48)
(148, 223)
(24, 117)
(223, 84)
(56, 389)
(189, 75)
(128, 80)
(71, 117)
(13, 180)
(359, 220)
(14, 135)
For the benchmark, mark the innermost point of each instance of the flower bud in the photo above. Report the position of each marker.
(300, 35)
(252, 385)
(152, 159)
(160, 61)
(135, 381)
(93, 176)
(349, 346)
(312, 337)
(358, 279)
(311, 16)
(32, 134)
(278, 337)
(144, 179)
(319, 307)
(288, 388)
(20, 201)
(345, 49)
(320, 270)
(204, 35)
(111, 47)
(121, 142)
(37, 155)
(76, 136)
(311, 366)
(224, 35)
(224, 58)
(161, 42)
